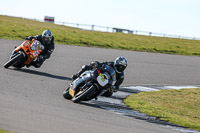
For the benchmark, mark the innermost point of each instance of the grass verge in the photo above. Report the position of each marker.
(19, 28)
(180, 107)
(3, 131)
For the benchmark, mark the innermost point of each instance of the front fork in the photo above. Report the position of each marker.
(71, 91)
(14, 52)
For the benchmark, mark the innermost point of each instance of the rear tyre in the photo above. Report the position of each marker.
(82, 95)
(14, 60)
(66, 94)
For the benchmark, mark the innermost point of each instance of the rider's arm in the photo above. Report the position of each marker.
(99, 64)
(32, 37)
(119, 81)
(49, 50)
(29, 38)
(95, 64)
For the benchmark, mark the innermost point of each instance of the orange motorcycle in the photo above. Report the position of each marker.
(24, 54)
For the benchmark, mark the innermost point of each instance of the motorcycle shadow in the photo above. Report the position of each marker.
(43, 74)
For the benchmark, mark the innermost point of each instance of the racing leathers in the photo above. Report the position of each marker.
(119, 76)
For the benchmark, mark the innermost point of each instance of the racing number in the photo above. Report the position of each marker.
(102, 78)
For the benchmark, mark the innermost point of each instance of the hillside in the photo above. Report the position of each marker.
(18, 28)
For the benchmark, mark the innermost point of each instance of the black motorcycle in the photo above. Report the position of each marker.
(91, 84)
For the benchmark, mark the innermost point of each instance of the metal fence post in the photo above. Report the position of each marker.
(92, 27)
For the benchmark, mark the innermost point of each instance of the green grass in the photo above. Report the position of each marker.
(180, 107)
(18, 28)
(3, 131)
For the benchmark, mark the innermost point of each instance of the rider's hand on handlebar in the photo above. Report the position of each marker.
(94, 64)
(40, 57)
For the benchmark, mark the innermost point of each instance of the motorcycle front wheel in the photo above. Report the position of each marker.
(14, 60)
(66, 94)
(81, 95)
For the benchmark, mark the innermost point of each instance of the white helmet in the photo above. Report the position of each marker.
(120, 64)
(47, 36)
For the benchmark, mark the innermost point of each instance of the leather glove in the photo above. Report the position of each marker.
(115, 88)
(94, 64)
(40, 58)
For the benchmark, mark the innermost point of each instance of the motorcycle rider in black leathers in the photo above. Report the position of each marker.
(119, 65)
(47, 40)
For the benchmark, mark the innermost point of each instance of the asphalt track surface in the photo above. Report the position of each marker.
(31, 99)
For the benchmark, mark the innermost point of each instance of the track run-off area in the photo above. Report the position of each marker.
(31, 99)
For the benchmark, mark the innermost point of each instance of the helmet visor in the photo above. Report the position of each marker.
(120, 68)
(46, 39)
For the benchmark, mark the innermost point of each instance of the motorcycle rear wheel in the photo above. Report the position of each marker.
(83, 94)
(14, 60)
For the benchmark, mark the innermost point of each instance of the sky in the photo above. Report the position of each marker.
(174, 17)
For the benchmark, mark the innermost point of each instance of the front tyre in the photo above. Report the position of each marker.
(14, 60)
(66, 94)
(82, 95)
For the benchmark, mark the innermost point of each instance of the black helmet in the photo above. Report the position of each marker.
(47, 36)
(120, 64)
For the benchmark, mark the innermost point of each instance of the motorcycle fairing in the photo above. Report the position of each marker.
(30, 49)
(84, 77)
